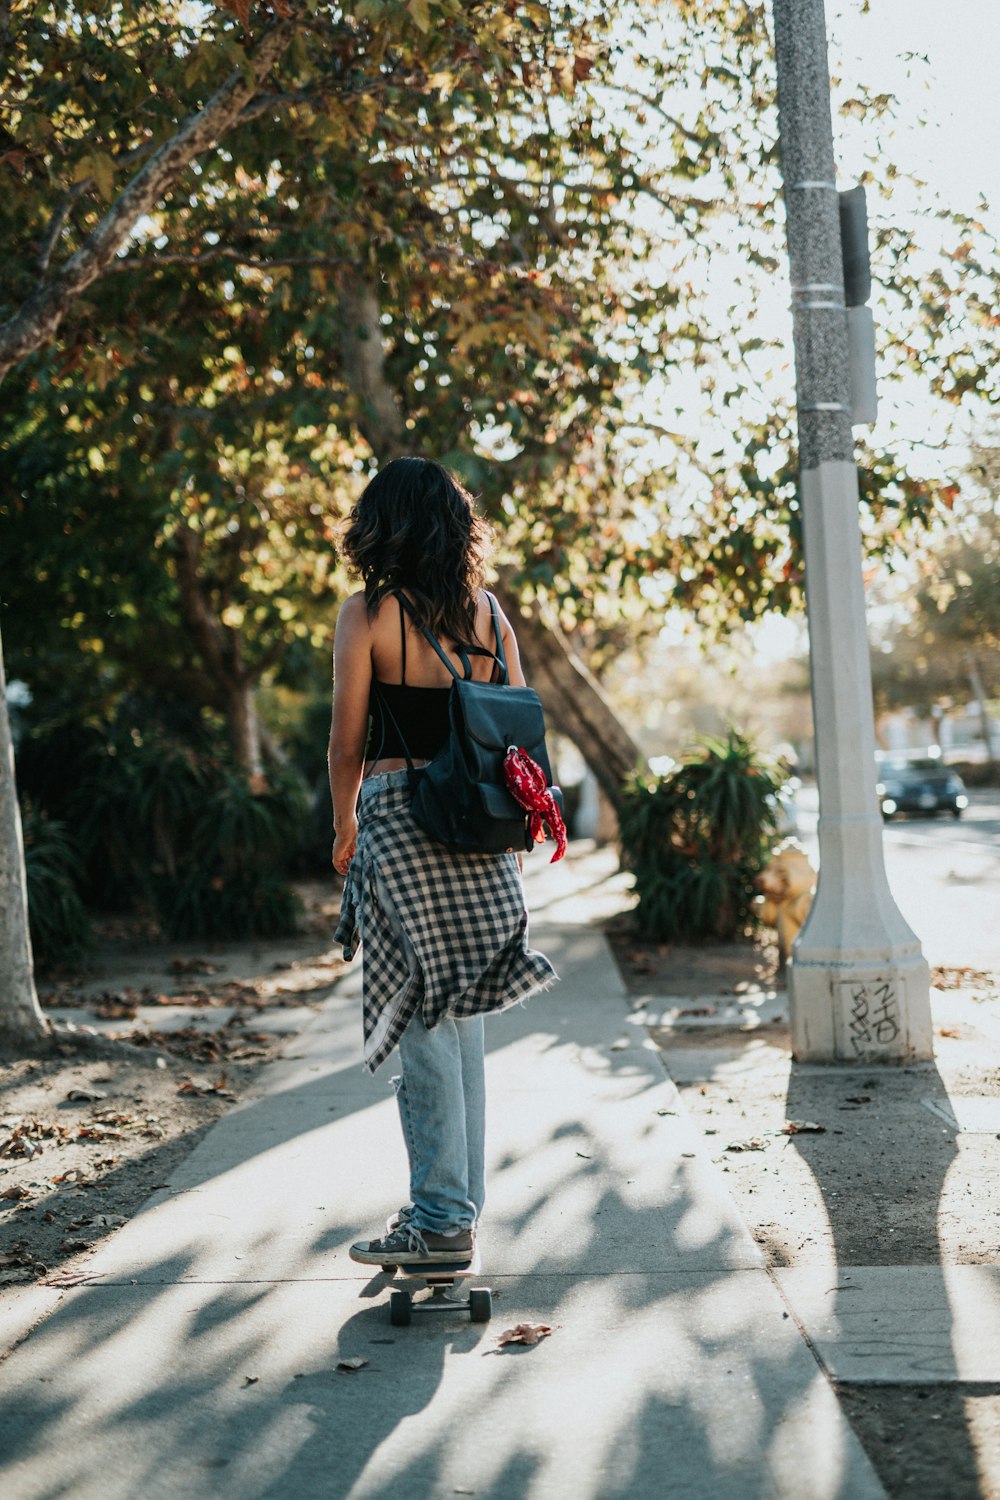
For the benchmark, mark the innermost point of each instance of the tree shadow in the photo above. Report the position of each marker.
(204, 1360)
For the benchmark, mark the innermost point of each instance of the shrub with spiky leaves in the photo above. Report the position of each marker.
(695, 838)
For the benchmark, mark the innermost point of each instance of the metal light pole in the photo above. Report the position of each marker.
(858, 982)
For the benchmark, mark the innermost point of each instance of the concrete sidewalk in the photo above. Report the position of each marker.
(197, 1355)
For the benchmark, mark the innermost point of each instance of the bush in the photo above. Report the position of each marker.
(60, 927)
(162, 819)
(695, 839)
(229, 878)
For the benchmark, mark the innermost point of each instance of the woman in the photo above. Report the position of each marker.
(444, 934)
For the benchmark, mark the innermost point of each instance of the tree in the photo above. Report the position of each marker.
(946, 646)
(476, 230)
(21, 1020)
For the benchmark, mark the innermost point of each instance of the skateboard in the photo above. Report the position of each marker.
(441, 1277)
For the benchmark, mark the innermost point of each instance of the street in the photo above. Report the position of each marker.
(944, 874)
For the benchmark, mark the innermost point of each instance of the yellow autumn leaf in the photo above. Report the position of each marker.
(103, 169)
(420, 12)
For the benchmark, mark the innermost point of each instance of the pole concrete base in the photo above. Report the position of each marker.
(852, 1013)
(859, 986)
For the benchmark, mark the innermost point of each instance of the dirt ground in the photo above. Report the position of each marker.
(888, 1176)
(85, 1140)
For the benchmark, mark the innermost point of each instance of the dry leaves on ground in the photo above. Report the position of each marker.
(802, 1127)
(349, 1366)
(963, 979)
(192, 966)
(201, 1088)
(523, 1333)
(755, 1143)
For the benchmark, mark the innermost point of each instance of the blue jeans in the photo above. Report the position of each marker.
(442, 1105)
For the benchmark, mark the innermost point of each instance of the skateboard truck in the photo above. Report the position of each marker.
(440, 1277)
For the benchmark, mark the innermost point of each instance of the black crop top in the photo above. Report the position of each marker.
(404, 718)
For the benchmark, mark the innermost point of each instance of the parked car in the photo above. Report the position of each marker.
(918, 783)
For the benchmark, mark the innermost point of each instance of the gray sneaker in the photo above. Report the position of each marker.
(408, 1246)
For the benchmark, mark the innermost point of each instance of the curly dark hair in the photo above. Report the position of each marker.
(415, 528)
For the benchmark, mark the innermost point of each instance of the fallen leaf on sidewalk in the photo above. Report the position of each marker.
(192, 966)
(523, 1333)
(20, 1273)
(117, 1007)
(15, 1192)
(250, 1380)
(755, 1143)
(802, 1127)
(85, 1096)
(201, 1088)
(349, 1366)
(951, 1031)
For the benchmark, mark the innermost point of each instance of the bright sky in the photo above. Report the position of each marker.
(955, 90)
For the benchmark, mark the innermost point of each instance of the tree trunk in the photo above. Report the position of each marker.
(244, 727)
(22, 1024)
(220, 648)
(979, 694)
(574, 702)
(380, 414)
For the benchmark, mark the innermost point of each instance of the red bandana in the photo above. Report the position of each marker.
(526, 782)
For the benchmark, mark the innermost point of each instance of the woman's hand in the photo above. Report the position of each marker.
(344, 844)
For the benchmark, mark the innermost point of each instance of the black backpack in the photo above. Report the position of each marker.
(460, 798)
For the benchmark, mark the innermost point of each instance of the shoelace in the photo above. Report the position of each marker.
(412, 1238)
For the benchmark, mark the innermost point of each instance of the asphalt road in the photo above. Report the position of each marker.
(944, 874)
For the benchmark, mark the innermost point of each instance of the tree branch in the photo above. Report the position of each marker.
(40, 316)
(58, 222)
(224, 252)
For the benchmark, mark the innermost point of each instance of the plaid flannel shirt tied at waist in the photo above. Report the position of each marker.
(441, 931)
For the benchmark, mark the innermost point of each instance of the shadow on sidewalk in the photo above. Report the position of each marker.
(883, 1201)
(210, 1367)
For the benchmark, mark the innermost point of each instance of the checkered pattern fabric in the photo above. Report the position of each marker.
(441, 931)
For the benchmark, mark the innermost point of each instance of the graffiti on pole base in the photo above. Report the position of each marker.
(872, 1011)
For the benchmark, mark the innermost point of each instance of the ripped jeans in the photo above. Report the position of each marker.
(441, 1094)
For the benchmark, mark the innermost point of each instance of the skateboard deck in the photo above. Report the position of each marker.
(441, 1277)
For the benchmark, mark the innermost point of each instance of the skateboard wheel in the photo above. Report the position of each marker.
(480, 1304)
(400, 1309)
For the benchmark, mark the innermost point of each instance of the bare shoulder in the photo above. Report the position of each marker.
(352, 618)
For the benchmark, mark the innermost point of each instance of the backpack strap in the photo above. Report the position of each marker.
(501, 655)
(463, 652)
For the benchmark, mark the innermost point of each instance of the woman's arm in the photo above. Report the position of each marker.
(352, 676)
(515, 671)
